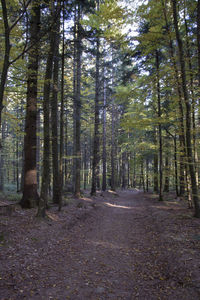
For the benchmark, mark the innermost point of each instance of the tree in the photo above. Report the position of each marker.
(30, 195)
(190, 157)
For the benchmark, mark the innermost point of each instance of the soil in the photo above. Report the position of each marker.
(114, 246)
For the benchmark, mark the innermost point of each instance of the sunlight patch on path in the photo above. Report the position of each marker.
(117, 206)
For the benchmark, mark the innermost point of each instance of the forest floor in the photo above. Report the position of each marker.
(124, 246)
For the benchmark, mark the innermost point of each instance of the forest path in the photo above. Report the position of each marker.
(126, 248)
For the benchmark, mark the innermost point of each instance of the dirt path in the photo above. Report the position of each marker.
(129, 247)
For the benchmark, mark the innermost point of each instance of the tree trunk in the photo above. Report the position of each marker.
(175, 166)
(113, 149)
(123, 168)
(78, 109)
(155, 167)
(61, 165)
(2, 159)
(190, 157)
(142, 175)
(46, 125)
(180, 105)
(30, 194)
(96, 122)
(198, 46)
(6, 56)
(54, 120)
(104, 137)
(147, 174)
(166, 184)
(159, 127)
(38, 149)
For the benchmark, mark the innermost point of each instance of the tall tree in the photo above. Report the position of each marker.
(190, 156)
(104, 157)
(54, 118)
(77, 103)
(30, 195)
(46, 114)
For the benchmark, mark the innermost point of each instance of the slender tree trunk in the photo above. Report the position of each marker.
(2, 159)
(175, 165)
(142, 175)
(155, 167)
(198, 46)
(104, 137)
(78, 109)
(85, 165)
(6, 55)
(191, 85)
(54, 121)
(188, 114)
(30, 194)
(180, 105)
(96, 121)
(166, 184)
(38, 149)
(113, 148)
(159, 127)
(46, 125)
(147, 174)
(123, 173)
(134, 170)
(61, 165)
(74, 99)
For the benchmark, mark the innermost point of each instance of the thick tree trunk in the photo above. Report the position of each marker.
(190, 157)
(30, 194)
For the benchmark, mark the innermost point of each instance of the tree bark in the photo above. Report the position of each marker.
(46, 124)
(30, 195)
(104, 137)
(61, 165)
(6, 55)
(182, 168)
(78, 109)
(54, 120)
(190, 157)
(96, 122)
(159, 127)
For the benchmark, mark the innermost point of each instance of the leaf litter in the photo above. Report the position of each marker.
(133, 248)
